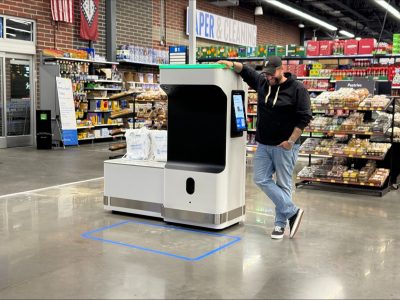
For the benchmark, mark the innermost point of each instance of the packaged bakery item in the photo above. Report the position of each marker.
(138, 144)
(159, 144)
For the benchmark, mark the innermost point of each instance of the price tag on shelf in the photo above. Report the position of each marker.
(371, 184)
(319, 180)
(362, 183)
(345, 182)
(350, 155)
(333, 181)
(363, 156)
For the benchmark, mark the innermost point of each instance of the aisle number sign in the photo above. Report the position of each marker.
(67, 111)
(214, 27)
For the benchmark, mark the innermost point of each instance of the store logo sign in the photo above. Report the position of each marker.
(214, 27)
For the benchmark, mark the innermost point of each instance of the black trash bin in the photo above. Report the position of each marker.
(44, 137)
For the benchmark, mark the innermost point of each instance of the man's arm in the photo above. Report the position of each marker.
(249, 75)
(303, 117)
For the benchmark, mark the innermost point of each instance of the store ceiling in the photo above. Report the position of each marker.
(364, 18)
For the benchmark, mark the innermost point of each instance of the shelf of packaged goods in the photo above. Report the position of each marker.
(251, 148)
(103, 89)
(107, 125)
(137, 63)
(251, 130)
(336, 181)
(145, 83)
(360, 108)
(343, 132)
(151, 100)
(51, 58)
(313, 78)
(316, 90)
(252, 114)
(84, 127)
(99, 111)
(252, 103)
(395, 87)
(105, 81)
(101, 137)
(329, 154)
(99, 98)
(361, 56)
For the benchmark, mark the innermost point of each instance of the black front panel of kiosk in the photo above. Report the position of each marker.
(197, 116)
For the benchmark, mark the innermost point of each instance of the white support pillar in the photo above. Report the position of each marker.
(192, 31)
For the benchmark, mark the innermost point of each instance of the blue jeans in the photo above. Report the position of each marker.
(273, 159)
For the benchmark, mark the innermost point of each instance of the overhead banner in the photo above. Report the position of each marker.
(67, 111)
(89, 19)
(217, 28)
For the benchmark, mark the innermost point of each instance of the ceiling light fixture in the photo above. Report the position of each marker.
(301, 25)
(358, 38)
(258, 11)
(389, 8)
(346, 33)
(301, 14)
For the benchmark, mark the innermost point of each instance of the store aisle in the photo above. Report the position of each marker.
(347, 247)
(25, 169)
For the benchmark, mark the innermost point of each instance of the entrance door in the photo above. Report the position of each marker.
(19, 104)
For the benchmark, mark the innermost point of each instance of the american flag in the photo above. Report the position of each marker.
(62, 10)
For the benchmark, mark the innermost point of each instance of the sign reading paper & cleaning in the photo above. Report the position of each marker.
(214, 27)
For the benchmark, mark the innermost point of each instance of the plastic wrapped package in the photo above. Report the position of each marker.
(159, 142)
(138, 144)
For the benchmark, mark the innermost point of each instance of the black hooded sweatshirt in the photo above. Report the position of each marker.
(287, 107)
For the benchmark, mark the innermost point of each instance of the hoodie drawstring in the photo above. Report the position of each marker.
(276, 95)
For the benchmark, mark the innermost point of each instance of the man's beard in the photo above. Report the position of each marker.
(275, 80)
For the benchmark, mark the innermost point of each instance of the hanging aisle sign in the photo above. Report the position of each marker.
(67, 111)
(214, 27)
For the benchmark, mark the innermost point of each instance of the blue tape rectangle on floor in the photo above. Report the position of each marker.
(234, 240)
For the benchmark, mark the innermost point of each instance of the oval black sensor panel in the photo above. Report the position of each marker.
(190, 186)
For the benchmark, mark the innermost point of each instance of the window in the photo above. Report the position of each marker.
(1, 27)
(18, 29)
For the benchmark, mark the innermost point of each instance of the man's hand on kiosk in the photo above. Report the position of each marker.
(237, 67)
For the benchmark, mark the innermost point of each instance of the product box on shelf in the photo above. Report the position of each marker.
(242, 51)
(261, 51)
(232, 52)
(251, 51)
(351, 47)
(291, 50)
(300, 51)
(271, 50)
(280, 51)
(312, 48)
(325, 48)
(366, 46)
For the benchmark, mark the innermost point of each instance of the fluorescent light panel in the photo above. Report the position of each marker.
(389, 8)
(346, 33)
(301, 14)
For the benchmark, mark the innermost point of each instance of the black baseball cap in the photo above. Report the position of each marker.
(271, 64)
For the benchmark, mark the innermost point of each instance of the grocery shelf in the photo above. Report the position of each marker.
(108, 125)
(253, 103)
(395, 87)
(252, 114)
(136, 63)
(344, 132)
(336, 181)
(251, 130)
(99, 98)
(316, 90)
(99, 111)
(361, 108)
(382, 157)
(51, 58)
(84, 127)
(105, 81)
(103, 89)
(314, 78)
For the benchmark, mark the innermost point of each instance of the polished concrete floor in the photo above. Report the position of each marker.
(347, 247)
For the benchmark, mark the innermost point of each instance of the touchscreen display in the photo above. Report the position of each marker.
(239, 112)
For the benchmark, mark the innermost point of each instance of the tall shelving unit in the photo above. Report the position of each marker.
(331, 184)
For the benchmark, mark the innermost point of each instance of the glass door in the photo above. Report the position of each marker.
(19, 102)
(3, 143)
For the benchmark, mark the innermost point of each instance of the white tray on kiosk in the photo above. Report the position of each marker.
(134, 186)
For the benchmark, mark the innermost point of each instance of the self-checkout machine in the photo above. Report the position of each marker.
(203, 181)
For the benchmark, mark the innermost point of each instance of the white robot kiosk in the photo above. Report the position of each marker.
(203, 181)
